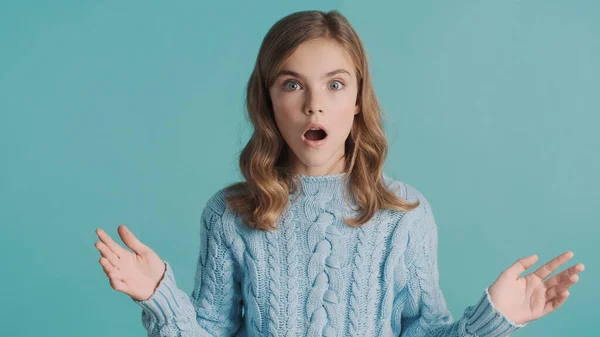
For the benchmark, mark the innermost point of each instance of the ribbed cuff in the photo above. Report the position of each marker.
(487, 320)
(162, 304)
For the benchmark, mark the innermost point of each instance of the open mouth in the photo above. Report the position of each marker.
(315, 134)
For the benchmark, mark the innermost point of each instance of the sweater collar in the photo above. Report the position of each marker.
(334, 184)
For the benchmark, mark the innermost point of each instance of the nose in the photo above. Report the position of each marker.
(313, 103)
(310, 111)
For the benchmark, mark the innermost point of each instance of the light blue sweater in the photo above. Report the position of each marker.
(316, 276)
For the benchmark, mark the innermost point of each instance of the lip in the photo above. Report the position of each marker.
(315, 125)
(315, 143)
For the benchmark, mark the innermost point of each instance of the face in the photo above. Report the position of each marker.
(316, 84)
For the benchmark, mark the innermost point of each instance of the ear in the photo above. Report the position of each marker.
(357, 109)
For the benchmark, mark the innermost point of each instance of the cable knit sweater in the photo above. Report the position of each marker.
(316, 276)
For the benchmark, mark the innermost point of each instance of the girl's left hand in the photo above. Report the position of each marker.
(528, 298)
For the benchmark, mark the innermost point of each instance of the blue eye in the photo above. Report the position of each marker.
(286, 86)
(338, 85)
(336, 81)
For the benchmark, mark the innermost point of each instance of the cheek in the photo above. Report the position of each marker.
(287, 118)
(286, 105)
(344, 112)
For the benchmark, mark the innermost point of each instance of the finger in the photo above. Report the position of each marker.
(112, 258)
(108, 268)
(115, 247)
(130, 240)
(556, 303)
(113, 275)
(564, 275)
(522, 264)
(117, 284)
(555, 291)
(547, 269)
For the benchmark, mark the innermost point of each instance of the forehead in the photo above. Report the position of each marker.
(316, 57)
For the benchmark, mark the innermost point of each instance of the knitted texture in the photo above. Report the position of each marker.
(316, 276)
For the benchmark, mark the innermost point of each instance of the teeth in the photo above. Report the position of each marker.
(315, 128)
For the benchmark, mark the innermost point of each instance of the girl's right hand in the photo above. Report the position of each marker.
(136, 274)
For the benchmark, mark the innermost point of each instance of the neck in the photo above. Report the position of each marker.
(337, 164)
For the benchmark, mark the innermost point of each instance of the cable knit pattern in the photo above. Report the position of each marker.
(274, 290)
(317, 276)
(291, 259)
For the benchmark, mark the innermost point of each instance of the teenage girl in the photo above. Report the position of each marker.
(318, 241)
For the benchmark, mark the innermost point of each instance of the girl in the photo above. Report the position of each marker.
(318, 241)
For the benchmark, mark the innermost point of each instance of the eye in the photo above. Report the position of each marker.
(288, 88)
(339, 86)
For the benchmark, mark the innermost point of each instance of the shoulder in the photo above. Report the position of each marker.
(216, 203)
(417, 226)
(421, 218)
(409, 193)
(218, 216)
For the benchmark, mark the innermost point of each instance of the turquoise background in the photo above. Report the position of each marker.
(132, 113)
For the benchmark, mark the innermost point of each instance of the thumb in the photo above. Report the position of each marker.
(130, 240)
(521, 265)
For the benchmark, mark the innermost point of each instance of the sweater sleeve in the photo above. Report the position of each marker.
(427, 313)
(214, 307)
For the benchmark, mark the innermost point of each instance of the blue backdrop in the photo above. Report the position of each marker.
(132, 113)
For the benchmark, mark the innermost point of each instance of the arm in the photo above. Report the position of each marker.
(426, 313)
(214, 307)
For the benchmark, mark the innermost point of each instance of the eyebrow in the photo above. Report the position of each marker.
(295, 74)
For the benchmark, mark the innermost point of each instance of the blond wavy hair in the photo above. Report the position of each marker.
(264, 196)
